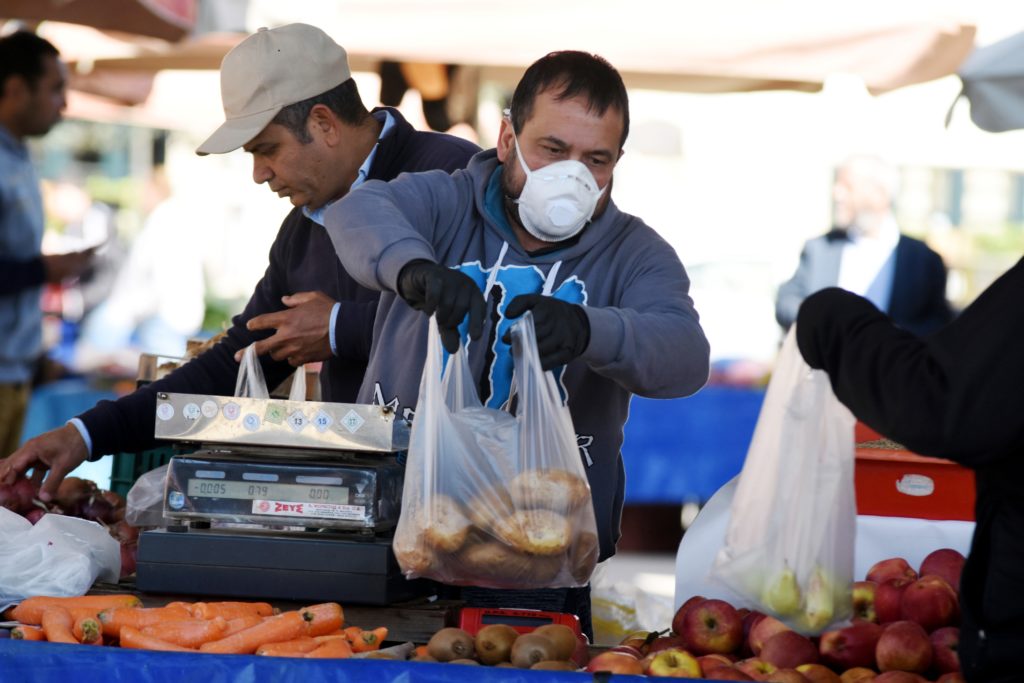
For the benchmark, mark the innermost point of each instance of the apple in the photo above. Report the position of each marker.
(641, 641)
(750, 620)
(945, 642)
(931, 602)
(581, 655)
(677, 619)
(887, 599)
(616, 663)
(952, 677)
(758, 669)
(765, 628)
(789, 649)
(818, 673)
(864, 600)
(665, 643)
(944, 562)
(893, 568)
(709, 662)
(903, 646)
(858, 674)
(627, 650)
(899, 677)
(673, 664)
(727, 673)
(712, 626)
(851, 646)
(787, 676)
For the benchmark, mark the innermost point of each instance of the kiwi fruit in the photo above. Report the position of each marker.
(562, 637)
(531, 648)
(555, 665)
(494, 643)
(464, 660)
(450, 643)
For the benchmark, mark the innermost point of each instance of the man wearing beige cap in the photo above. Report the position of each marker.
(290, 101)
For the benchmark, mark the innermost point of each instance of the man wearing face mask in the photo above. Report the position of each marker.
(531, 225)
(866, 254)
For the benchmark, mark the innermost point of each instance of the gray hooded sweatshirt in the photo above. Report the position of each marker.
(645, 337)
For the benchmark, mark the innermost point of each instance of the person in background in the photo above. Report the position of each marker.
(32, 97)
(953, 395)
(866, 254)
(532, 226)
(290, 101)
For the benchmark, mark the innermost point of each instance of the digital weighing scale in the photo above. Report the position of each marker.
(295, 500)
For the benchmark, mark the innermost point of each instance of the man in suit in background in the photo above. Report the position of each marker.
(866, 254)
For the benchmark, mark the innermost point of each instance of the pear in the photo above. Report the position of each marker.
(820, 601)
(782, 594)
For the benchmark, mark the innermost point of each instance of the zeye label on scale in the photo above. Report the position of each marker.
(283, 508)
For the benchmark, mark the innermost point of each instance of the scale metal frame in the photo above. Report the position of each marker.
(295, 500)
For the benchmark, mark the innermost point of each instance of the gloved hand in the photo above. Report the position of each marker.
(563, 329)
(449, 294)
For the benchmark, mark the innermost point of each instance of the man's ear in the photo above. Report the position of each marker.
(506, 139)
(322, 122)
(13, 88)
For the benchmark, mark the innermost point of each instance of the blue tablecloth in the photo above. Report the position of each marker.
(682, 450)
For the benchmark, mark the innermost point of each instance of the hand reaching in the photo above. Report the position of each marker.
(302, 331)
(563, 329)
(59, 451)
(449, 294)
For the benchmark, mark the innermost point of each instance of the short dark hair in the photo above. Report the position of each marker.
(572, 74)
(22, 53)
(343, 99)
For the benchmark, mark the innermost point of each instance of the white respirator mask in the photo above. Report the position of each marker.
(558, 199)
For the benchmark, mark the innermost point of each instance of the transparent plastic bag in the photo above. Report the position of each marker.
(789, 547)
(144, 504)
(59, 555)
(250, 382)
(493, 499)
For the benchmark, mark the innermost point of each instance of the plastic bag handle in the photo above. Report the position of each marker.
(250, 382)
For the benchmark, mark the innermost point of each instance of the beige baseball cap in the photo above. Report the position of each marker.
(266, 72)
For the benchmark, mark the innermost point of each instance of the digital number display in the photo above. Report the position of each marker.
(252, 490)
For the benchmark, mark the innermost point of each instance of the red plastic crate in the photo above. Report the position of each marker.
(898, 483)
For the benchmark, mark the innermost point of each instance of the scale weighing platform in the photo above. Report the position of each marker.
(295, 500)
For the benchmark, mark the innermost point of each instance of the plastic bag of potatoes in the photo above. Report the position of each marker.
(490, 498)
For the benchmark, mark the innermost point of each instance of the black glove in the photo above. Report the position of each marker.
(448, 293)
(563, 329)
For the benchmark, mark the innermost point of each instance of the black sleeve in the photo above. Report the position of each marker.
(20, 275)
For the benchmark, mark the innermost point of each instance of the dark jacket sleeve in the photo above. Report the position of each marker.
(953, 395)
(127, 424)
(20, 275)
(353, 330)
(919, 301)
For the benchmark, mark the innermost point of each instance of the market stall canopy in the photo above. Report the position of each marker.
(165, 19)
(993, 82)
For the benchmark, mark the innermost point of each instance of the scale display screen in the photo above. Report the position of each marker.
(246, 490)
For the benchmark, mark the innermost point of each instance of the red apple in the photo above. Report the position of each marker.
(893, 568)
(727, 673)
(931, 602)
(787, 676)
(758, 669)
(864, 600)
(858, 674)
(766, 627)
(677, 619)
(712, 626)
(818, 673)
(640, 640)
(627, 650)
(887, 599)
(945, 642)
(666, 643)
(673, 664)
(789, 649)
(851, 646)
(953, 677)
(903, 646)
(750, 620)
(899, 677)
(944, 562)
(616, 663)
(709, 662)
(581, 655)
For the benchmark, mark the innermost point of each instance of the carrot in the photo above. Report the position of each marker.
(364, 641)
(289, 648)
(57, 625)
(30, 611)
(178, 603)
(330, 636)
(277, 629)
(324, 618)
(241, 623)
(134, 639)
(336, 648)
(87, 629)
(114, 620)
(231, 610)
(22, 632)
(188, 632)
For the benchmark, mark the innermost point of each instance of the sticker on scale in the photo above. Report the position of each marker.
(231, 410)
(352, 421)
(191, 411)
(274, 413)
(209, 409)
(297, 421)
(284, 508)
(165, 411)
(251, 422)
(322, 421)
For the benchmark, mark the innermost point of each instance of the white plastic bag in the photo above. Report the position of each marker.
(59, 556)
(491, 499)
(789, 547)
(144, 504)
(250, 382)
